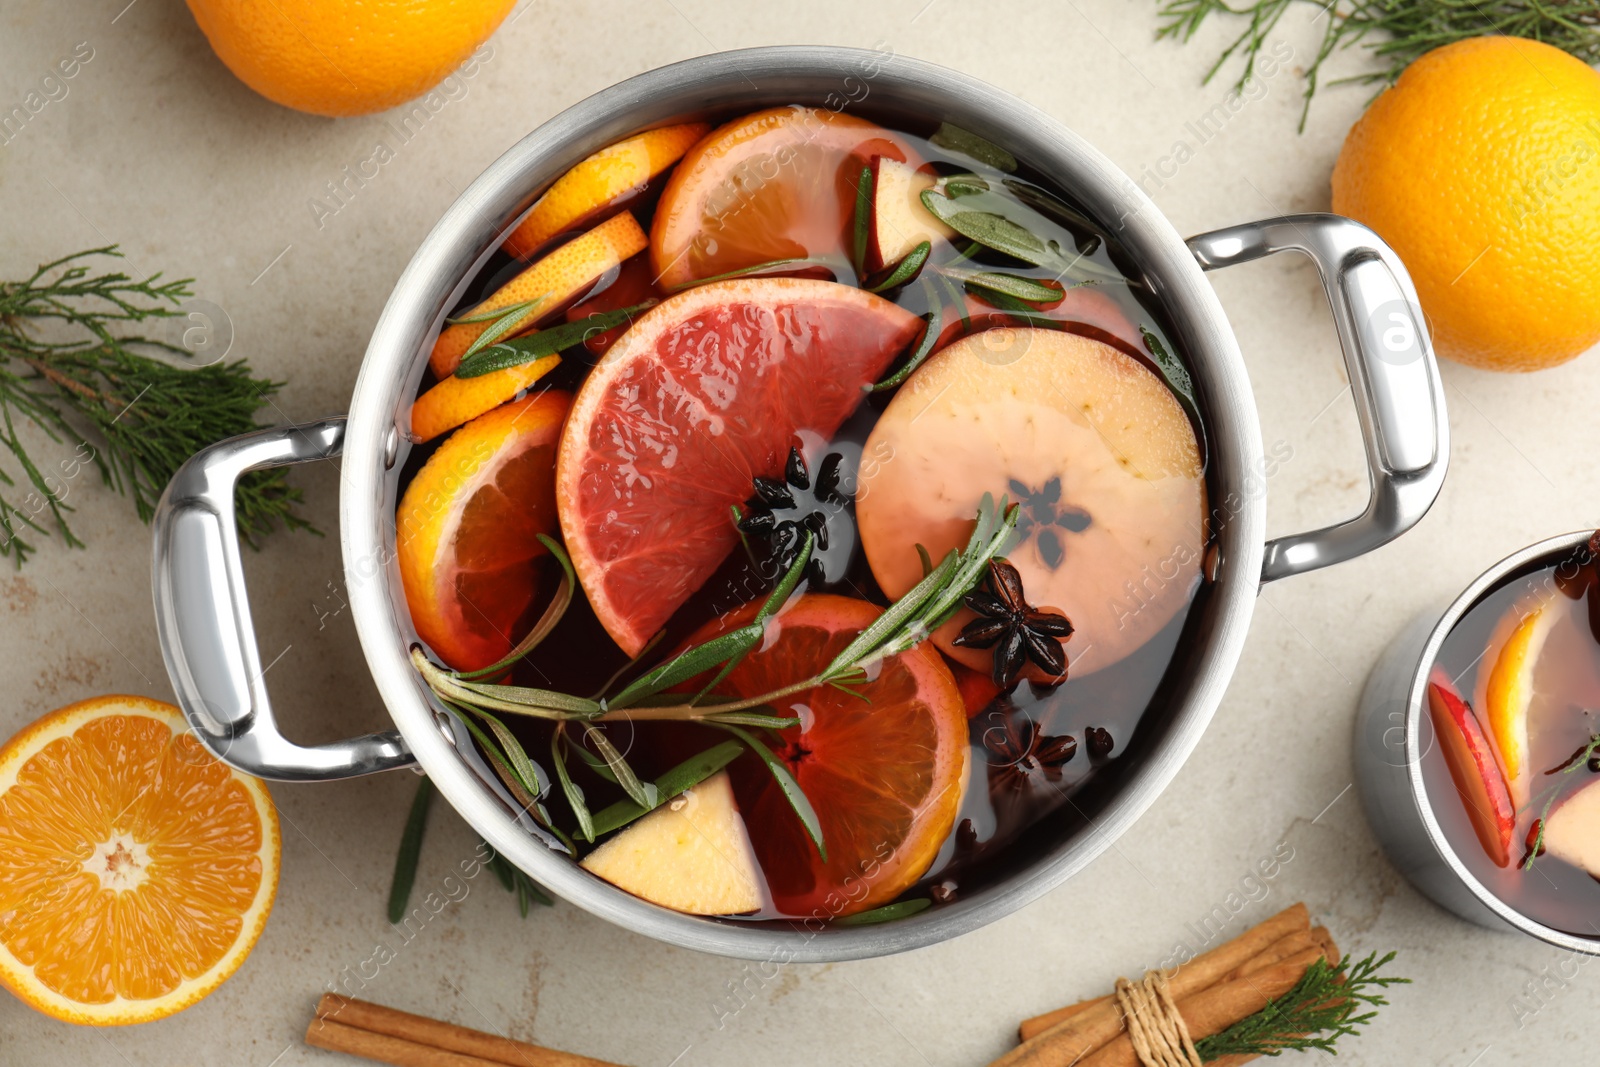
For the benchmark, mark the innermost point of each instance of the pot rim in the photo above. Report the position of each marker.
(1416, 694)
(471, 229)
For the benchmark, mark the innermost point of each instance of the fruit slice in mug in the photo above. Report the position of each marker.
(1091, 444)
(705, 392)
(1473, 768)
(467, 527)
(1572, 829)
(1508, 694)
(778, 184)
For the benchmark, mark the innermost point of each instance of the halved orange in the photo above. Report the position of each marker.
(553, 281)
(469, 557)
(612, 174)
(777, 184)
(885, 774)
(136, 871)
(706, 391)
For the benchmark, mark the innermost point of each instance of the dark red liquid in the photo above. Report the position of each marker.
(1006, 795)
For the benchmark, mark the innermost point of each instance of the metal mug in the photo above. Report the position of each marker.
(1394, 731)
(202, 607)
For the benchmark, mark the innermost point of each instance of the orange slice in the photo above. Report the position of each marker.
(611, 174)
(553, 281)
(136, 871)
(469, 557)
(1510, 692)
(885, 774)
(777, 184)
(455, 401)
(706, 391)
(1095, 448)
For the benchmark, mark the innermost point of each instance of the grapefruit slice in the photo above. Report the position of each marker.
(136, 871)
(1094, 447)
(707, 390)
(468, 552)
(885, 774)
(692, 854)
(777, 184)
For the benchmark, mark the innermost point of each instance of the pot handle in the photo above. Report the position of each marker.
(203, 614)
(1395, 379)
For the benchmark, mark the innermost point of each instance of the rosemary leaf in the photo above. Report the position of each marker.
(887, 913)
(969, 144)
(998, 231)
(858, 241)
(405, 860)
(774, 603)
(1171, 368)
(788, 786)
(496, 314)
(520, 350)
(1053, 207)
(924, 349)
(516, 755)
(641, 794)
(1018, 286)
(691, 772)
(547, 621)
(503, 321)
(596, 764)
(523, 791)
(905, 270)
(523, 700)
(771, 266)
(570, 789)
(1325, 1005)
(753, 718)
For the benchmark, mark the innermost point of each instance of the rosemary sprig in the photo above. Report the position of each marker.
(67, 368)
(887, 913)
(501, 322)
(482, 360)
(1404, 29)
(1325, 1005)
(925, 343)
(903, 625)
(410, 851)
(966, 204)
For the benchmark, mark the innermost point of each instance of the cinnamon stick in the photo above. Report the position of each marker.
(1087, 1030)
(1214, 1010)
(361, 1028)
(1279, 950)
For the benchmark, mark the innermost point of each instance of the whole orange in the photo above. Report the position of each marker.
(345, 57)
(1481, 167)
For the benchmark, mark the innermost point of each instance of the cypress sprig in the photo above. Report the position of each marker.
(1329, 1002)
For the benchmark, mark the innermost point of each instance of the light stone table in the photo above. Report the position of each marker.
(157, 147)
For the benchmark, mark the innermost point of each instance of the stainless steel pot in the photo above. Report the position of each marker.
(1394, 732)
(203, 611)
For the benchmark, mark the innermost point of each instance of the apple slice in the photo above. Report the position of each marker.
(899, 221)
(1472, 765)
(692, 854)
(1572, 831)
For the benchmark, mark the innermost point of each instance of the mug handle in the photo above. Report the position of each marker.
(1394, 377)
(203, 614)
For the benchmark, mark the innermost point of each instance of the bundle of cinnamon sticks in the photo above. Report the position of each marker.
(1212, 991)
(387, 1035)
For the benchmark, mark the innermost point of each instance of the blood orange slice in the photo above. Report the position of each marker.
(706, 391)
(885, 774)
(777, 184)
(467, 527)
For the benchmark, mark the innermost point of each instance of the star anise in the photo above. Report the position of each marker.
(786, 533)
(1016, 631)
(1027, 751)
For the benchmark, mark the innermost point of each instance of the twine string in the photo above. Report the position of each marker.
(1159, 1035)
